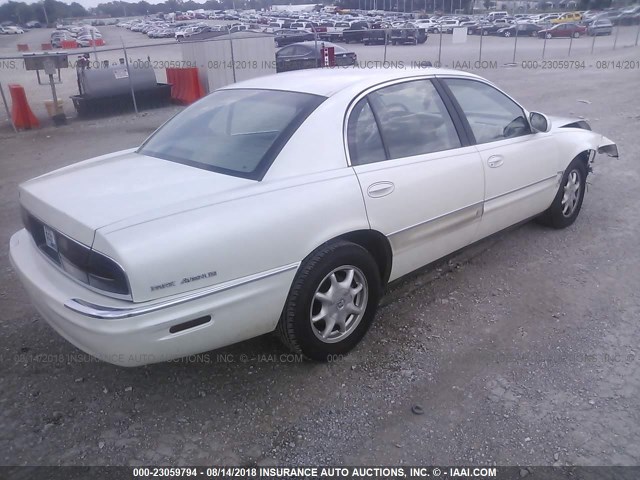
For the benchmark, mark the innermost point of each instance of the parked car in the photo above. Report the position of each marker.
(287, 37)
(305, 55)
(447, 26)
(12, 30)
(566, 30)
(407, 33)
(356, 32)
(568, 17)
(378, 34)
(56, 40)
(481, 28)
(85, 41)
(274, 204)
(629, 16)
(521, 29)
(601, 26)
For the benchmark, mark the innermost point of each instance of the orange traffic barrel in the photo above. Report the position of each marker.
(69, 44)
(23, 47)
(21, 113)
(46, 46)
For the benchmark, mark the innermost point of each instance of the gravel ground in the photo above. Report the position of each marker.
(522, 349)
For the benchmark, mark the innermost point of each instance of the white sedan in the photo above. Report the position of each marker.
(287, 203)
(12, 30)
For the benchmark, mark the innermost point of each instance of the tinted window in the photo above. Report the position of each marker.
(413, 119)
(492, 115)
(365, 144)
(238, 132)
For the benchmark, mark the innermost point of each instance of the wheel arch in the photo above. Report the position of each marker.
(376, 243)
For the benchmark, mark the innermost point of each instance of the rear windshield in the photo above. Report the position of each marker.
(237, 132)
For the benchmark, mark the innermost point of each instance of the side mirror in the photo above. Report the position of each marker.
(539, 122)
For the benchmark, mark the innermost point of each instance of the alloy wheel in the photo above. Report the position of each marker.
(338, 304)
(571, 194)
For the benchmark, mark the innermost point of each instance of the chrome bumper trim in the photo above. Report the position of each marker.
(116, 313)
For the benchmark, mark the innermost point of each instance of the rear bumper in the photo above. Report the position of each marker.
(142, 335)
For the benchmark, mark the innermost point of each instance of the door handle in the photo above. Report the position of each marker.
(495, 161)
(380, 189)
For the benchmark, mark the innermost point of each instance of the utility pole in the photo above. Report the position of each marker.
(46, 17)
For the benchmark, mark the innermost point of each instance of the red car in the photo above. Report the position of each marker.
(563, 30)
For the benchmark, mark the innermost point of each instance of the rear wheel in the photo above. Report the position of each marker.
(332, 301)
(548, 35)
(568, 201)
(576, 34)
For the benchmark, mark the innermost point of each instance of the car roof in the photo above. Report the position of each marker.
(329, 81)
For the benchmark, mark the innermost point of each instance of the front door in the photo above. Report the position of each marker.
(520, 166)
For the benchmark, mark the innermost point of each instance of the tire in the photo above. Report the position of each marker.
(507, 34)
(316, 277)
(576, 34)
(485, 33)
(564, 211)
(548, 36)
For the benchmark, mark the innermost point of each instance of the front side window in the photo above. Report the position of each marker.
(491, 114)
(236, 132)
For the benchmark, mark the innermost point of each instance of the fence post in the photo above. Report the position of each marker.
(570, 45)
(638, 35)
(440, 48)
(481, 37)
(386, 41)
(515, 46)
(315, 46)
(233, 62)
(95, 52)
(615, 40)
(126, 61)
(593, 43)
(544, 45)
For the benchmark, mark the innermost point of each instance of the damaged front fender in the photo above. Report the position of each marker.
(608, 147)
(575, 138)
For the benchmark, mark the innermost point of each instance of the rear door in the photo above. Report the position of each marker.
(422, 183)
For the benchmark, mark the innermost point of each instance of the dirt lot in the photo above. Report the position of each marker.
(521, 350)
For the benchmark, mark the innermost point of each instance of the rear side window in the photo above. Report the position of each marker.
(365, 143)
(398, 121)
(237, 132)
(413, 119)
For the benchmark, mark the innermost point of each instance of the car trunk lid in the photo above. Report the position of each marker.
(80, 199)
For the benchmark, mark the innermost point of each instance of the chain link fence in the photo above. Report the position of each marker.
(384, 48)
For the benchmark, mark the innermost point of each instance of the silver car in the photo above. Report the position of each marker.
(601, 26)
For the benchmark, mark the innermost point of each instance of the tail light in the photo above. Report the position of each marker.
(77, 260)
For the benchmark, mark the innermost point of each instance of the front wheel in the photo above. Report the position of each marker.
(332, 301)
(576, 34)
(548, 36)
(568, 201)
